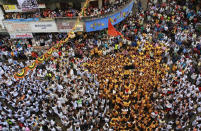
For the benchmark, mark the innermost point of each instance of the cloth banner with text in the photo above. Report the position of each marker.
(28, 5)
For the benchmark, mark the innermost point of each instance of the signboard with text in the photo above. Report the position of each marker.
(102, 23)
(11, 8)
(28, 5)
(20, 35)
(17, 27)
(15, 8)
(30, 26)
(43, 26)
(66, 25)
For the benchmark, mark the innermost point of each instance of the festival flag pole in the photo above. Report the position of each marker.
(112, 31)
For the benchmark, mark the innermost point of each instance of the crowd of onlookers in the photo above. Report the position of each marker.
(178, 98)
(109, 7)
(43, 13)
(149, 80)
(90, 11)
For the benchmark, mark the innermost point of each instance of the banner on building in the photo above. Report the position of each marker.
(11, 8)
(43, 26)
(66, 25)
(17, 27)
(100, 24)
(15, 8)
(28, 5)
(21, 35)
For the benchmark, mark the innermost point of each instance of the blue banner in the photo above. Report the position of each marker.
(23, 20)
(100, 24)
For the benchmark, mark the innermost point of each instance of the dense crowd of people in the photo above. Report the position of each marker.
(57, 13)
(43, 13)
(149, 80)
(129, 83)
(108, 8)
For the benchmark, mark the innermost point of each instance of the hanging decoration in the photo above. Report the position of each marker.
(21, 74)
(32, 66)
(41, 59)
(48, 54)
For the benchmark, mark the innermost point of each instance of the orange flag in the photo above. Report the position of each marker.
(112, 31)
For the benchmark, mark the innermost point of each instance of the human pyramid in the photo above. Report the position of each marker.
(130, 90)
(149, 80)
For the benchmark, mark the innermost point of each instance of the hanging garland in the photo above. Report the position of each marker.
(41, 59)
(21, 74)
(50, 51)
(48, 54)
(32, 66)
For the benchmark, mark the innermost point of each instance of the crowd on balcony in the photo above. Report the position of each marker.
(48, 13)
(108, 8)
(149, 80)
(45, 13)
